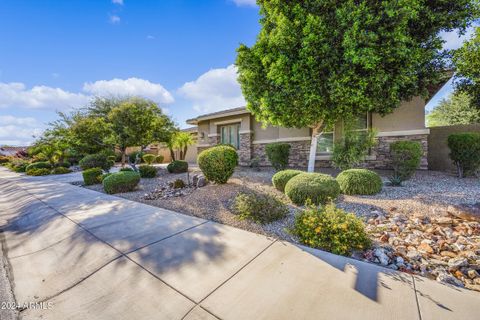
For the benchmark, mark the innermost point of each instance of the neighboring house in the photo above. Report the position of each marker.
(239, 128)
(11, 151)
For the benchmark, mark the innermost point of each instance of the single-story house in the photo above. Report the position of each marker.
(238, 127)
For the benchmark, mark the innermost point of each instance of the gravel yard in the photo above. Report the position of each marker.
(412, 226)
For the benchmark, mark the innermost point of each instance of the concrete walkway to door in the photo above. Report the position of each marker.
(80, 254)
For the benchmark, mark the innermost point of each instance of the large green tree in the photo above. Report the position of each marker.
(467, 64)
(456, 109)
(318, 61)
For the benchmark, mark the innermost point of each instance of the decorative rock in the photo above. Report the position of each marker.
(457, 262)
(472, 274)
(449, 279)
(201, 182)
(448, 254)
(381, 256)
(425, 248)
(414, 255)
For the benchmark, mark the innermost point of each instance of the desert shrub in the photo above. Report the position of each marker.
(259, 207)
(103, 176)
(147, 171)
(64, 164)
(4, 159)
(316, 188)
(359, 181)
(280, 179)
(159, 159)
(331, 229)
(133, 156)
(18, 165)
(406, 156)
(39, 165)
(149, 158)
(92, 176)
(178, 184)
(352, 149)
(61, 170)
(218, 163)
(465, 152)
(97, 160)
(126, 169)
(277, 154)
(177, 166)
(121, 182)
(38, 172)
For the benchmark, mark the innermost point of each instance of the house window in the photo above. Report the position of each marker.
(325, 141)
(230, 135)
(361, 123)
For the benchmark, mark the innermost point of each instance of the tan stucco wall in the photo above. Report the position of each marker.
(203, 129)
(409, 116)
(268, 133)
(293, 132)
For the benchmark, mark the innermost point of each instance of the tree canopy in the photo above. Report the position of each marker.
(456, 109)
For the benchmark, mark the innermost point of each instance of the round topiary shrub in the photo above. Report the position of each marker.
(61, 170)
(121, 182)
(177, 166)
(465, 152)
(92, 176)
(218, 163)
(149, 158)
(38, 172)
(39, 165)
(331, 229)
(147, 171)
(97, 160)
(280, 179)
(359, 181)
(159, 159)
(259, 207)
(315, 187)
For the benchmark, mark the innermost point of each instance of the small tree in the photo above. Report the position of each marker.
(180, 141)
(352, 149)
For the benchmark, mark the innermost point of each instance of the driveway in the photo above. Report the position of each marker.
(73, 253)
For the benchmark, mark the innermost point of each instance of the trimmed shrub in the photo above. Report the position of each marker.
(38, 172)
(121, 182)
(61, 170)
(159, 159)
(133, 156)
(126, 169)
(218, 163)
(465, 152)
(277, 154)
(149, 158)
(177, 166)
(39, 165)
(359, 181)
(178, 184)
(259, 207)
(4, 159)
(331, 229)
(316, 188)
(147, 171)
(406, 156)
(97, 160)
(280, 179)
(92, 176)
(103, 176)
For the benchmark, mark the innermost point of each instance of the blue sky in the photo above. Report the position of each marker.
(56, 55)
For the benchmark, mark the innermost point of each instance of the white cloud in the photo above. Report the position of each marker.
(18, 131)
(114, 19)
(129, 87)
(250, 3)
(150, 37)
(215, 90)
(16, 95)
(120, 2)
(453, 40)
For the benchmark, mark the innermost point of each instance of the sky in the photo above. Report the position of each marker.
(57, 55)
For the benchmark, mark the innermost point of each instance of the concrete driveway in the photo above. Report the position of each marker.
(73, 253)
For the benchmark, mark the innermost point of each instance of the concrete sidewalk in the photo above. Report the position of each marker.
(80, 254)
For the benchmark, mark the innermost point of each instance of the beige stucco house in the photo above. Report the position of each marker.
(239, 128)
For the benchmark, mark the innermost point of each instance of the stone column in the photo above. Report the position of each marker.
(245, 150)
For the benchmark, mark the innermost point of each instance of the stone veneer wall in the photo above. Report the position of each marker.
(299, 152)
(245, 150)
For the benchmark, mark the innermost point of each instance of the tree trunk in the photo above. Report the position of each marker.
(123, 151)
(172, 154)
(316, 132)
(185, 152)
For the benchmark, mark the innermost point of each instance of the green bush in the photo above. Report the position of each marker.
(352, 149)
(178, 184)
(465, 152)
(147, 171)
(18, 165)
(97, 160)
(92, 176)
(121, 182)
(331, 229)
(406, 156)
(38, 172)
(64, 164)
(103, 176)
(126, 169)
(280, 179)
(61, 170)
(4, 159)
(218, 163)
(316, 188)
(177, 166)
(39, 165)
(277, 154)
(149, 158)
(359, 181)
(159, 159)
(133, 156)
(259, 207)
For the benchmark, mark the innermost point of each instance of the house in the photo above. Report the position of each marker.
(239, 128)
(11, 151)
